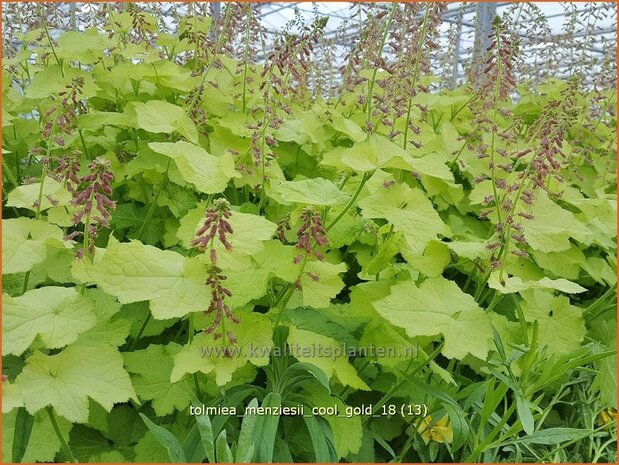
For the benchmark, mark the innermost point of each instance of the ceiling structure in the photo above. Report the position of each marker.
(564, 31)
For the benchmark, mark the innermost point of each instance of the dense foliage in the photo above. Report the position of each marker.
(182, 222)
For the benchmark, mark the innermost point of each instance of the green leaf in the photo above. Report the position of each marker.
(24, 243)
(208, 173)
(224, 454)
(553, 436)
(245, 445)
(163, 117)
(561, 325)
(330, 358)
(603, 330)
(206, 434)
(438, 306)
(524, 414)
(323, 442)
(552, 226)
(315, 191)
(248, 279)
(52, 79)
(85, 47)
(266, 429)
(435, 258)
(513, 284)
(347, 432)
(21, 433)
(328, 322)
(307, 129)
(56, 314)
(11, 396)
(167, 440)
(148, 449)
(377, 152)
(66, 381)
(207, 355)
(111, 328)
(313, 371)
(27, 195)
(409, 211)
(320, 283)
(150, 374)
(98, 119)
(133, 272)
(346, 126)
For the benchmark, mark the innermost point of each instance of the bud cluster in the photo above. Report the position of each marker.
(500, 55)
(310, 229)
(67, 171)
(365, 53)
(549, 131)
(96, 191)
(140, 25)
(218, 305)
(196, 111)
(70, 105)
(216, 225)
(283, 225)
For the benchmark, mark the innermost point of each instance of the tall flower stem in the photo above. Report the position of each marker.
(422, 38)
(86, 241)
(372, 82)
(37, 212)
(49, 40)
(497, 90)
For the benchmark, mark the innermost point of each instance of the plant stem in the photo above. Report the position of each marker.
(141, 331)
(599, 301)
(83, 143)
(153, 204)
(63, 442)
(36, 217)
(190, 336)
(9, 173)
(350, 203)
(497, 89)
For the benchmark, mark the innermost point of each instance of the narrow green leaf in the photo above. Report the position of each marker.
(322, 439)
(224, 454)
(21, 436)
(552, 436)
(206, 433)
(525, 415)
(245, 445)
(167, 440)
(266, 429)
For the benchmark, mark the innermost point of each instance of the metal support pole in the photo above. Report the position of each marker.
(486, 12)
(483, 28)
(216, 6)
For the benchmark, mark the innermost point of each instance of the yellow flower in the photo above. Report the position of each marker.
(441, 431)
(607, 416)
